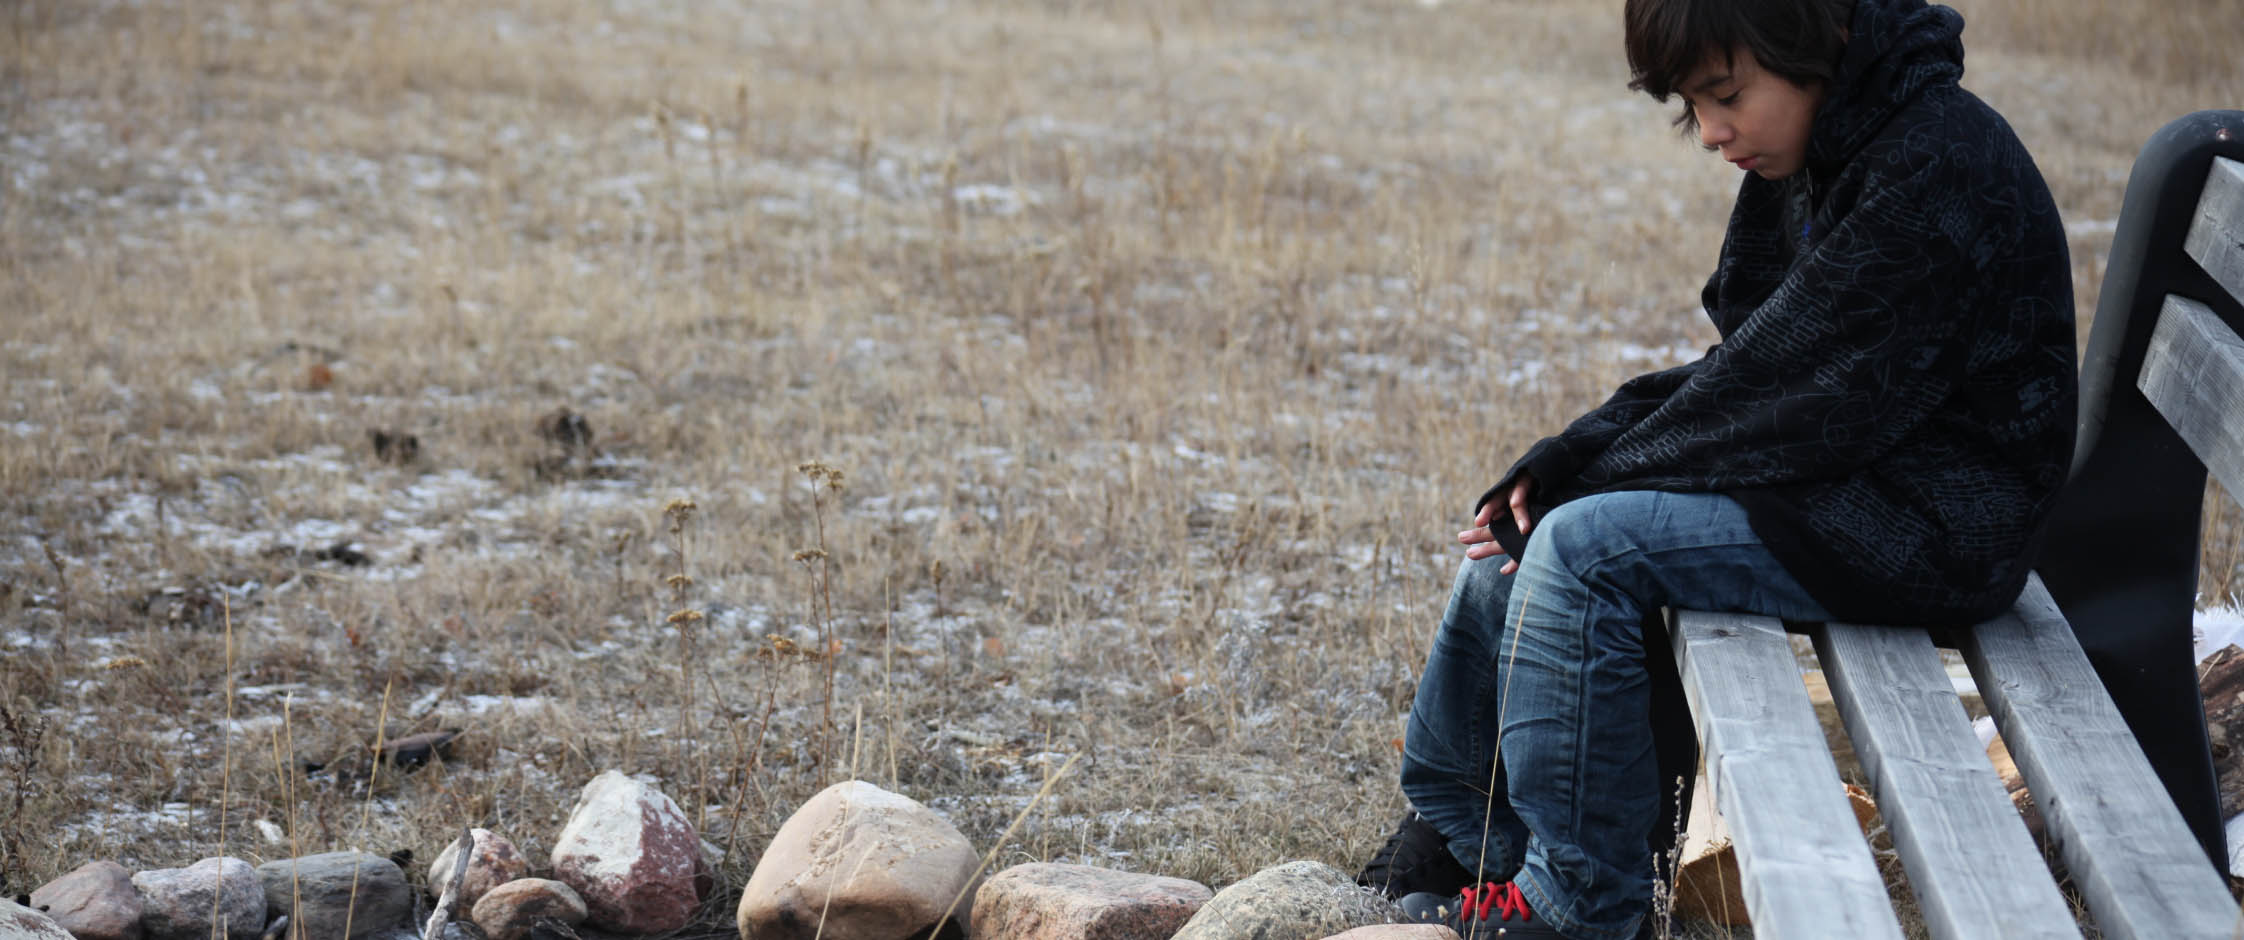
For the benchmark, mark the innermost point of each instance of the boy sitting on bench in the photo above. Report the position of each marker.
(1878, 437)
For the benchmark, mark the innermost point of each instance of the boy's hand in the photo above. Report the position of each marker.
(1480, 543)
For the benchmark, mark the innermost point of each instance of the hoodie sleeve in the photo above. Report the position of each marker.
(1554, 461)
(1860, 342)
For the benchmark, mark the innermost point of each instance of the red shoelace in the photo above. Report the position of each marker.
(1503, 900)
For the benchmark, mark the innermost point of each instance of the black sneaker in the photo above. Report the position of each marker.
(1415, 860)
(1487, 912)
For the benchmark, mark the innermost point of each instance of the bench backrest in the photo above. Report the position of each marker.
(2121, 558)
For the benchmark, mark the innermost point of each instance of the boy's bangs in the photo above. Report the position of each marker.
(1669, 39)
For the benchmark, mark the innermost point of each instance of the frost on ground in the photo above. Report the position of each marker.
(1160, 350)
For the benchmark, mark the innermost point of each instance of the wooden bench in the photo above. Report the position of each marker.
(1972, 865)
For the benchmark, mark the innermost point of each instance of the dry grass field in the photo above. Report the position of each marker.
(1048, 380)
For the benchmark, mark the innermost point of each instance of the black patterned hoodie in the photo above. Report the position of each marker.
(1893, 397)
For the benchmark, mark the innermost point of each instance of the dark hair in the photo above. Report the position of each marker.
(1800, 40)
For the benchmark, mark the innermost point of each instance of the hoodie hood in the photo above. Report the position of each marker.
(1896, 51)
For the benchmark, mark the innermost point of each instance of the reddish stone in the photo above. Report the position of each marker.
(95, 902)
(631, 854)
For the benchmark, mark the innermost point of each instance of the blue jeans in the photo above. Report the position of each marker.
(1550, 661)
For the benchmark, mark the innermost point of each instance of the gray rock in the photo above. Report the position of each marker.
(1046, 901)
(18, 922)
(178, 903)
(95, 902)
(322, 893)
(1294, 901)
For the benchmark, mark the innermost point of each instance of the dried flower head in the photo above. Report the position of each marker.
(679, 581)
(687, 616)
(820, 474)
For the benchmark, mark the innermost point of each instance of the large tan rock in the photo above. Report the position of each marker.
(1047, 901)
(94, 902)
(857, 862)
(630, 853)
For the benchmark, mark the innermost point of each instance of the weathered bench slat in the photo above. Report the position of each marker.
(1975, 871)
(2216, 236)
(1808, 871)
(2193, 373)
(2129, 852)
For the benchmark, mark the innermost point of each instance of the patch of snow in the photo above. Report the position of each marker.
(991, 199)
(2216, 627)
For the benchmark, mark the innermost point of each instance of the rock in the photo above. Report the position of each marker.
(1398, 932)
(95, 902)
(317, 892)
(177, 903)
(414, 750)
(18, 922)
(1293, 901)
(857, 862)
(1046, 901)
(630, 853)
(494, 861)
(508, 911)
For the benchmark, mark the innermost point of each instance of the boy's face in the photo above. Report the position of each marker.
(1757, 120)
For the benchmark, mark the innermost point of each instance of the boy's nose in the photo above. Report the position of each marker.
(1713, 134)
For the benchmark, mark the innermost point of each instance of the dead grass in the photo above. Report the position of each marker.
(1162, 345)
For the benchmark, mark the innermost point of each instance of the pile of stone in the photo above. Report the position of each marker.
(856, 862)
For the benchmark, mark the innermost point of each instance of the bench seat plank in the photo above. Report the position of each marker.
(2134, 860)
(1807, 870)
(2216, 236)
(1975, 870)
(2193, 373)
